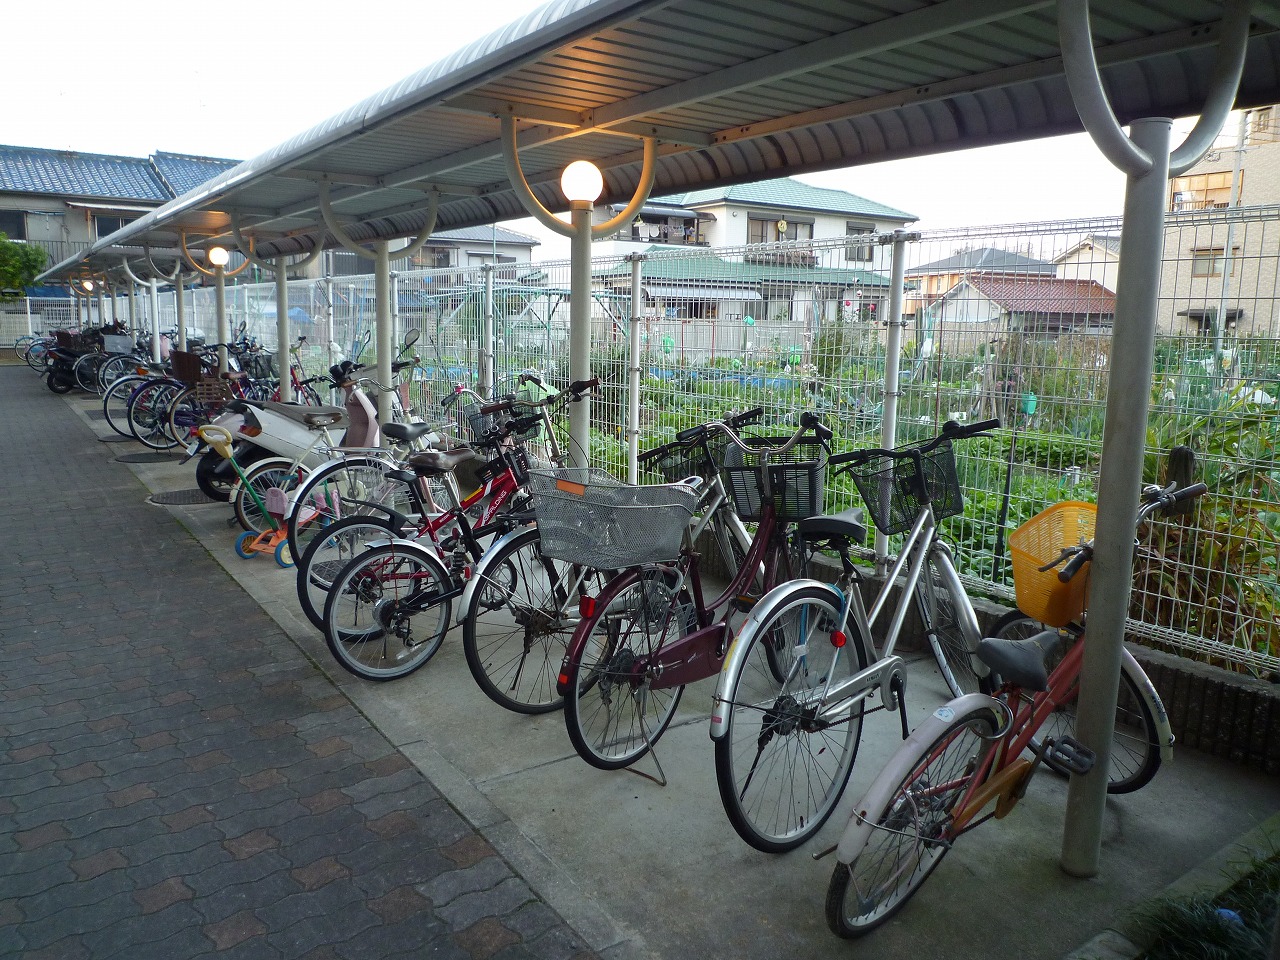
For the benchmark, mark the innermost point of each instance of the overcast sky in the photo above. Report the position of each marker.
(169, 79)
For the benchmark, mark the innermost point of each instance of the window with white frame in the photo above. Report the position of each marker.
(861, 248)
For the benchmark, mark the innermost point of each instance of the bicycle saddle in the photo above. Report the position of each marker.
(847, 525)
(406, 432)
(1021, 662)
(427, 463)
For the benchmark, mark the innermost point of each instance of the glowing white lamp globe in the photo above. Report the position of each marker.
(218, 256)
(581, 180)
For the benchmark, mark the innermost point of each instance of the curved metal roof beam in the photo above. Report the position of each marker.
(1085, 82)
(1228, 67)
(341, 235)
(128, 272)
(511, 157)
(186, 253)
(175, 276)
(246, 249)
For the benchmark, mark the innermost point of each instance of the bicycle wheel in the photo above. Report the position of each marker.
(115, 402)
(335, 490)
(388, 611)
(36, 354)
(783, 763)
(113, 368)
(520, 618)
(260, 478)
(911, 830)
(147, 409)
(612, 712)
(86, 371)
(938, 608)
(1135, 750)
(327, 556)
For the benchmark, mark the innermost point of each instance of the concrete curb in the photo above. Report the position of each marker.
(1126, 941)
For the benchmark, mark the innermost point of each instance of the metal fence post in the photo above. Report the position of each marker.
(893, 351)
(633, 370)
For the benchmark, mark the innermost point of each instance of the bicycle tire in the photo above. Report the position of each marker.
(937, 607)
(217, 484)
(146, 413)
(331, 491)
(259, 478)
(113, 368)
(328, 556)
(1135, 750)
(614, 716)
(518, 623)
(86, 371)
(115, 402)
(780, 768)
(36, 354)
(370, 613)
(911, 832)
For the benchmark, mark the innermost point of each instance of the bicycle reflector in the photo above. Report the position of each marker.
(838, 639)
(586, 606)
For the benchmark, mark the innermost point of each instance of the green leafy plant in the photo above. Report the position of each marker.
(20, 264)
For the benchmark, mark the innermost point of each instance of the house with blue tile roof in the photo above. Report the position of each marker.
(64, 200)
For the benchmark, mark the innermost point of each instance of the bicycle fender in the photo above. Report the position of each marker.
(482, 567)
(731, 670)
(302, 492)
(858, 830)
(1164, 731)
(583, 630)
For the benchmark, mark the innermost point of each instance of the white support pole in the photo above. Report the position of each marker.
(179, 312)
(1224, 291)
(102, 312)
(893, 351)
(282, 330)
(382, 336)
(487, 376)
(133, 307)
(633, 371)
(580, 329)
(1123, 448)
(30, 332)
(153, 290)
(328, 317)
(220, 314)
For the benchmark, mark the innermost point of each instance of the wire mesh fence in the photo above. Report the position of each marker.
(1010, 321)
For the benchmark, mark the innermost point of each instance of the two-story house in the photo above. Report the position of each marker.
(1221, 234)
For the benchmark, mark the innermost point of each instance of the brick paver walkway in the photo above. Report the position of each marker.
(176, 779)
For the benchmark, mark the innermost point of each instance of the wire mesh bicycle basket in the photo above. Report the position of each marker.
(699, 457)
(586, 516)
(1040, 594)
(793, 480)
(894, 492)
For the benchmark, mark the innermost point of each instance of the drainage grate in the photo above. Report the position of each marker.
(96, 414)
(116, 438)
(154, 456)
(179, 498)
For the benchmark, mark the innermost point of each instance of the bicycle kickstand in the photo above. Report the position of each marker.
(661, 778)
(898, 687)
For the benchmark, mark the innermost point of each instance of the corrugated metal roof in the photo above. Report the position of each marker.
(734, 91)
(791, 194)
(72, 174)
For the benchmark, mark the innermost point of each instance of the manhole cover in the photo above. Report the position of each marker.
(116, 438)
(152, 456)
(178, 498)
(96, 414)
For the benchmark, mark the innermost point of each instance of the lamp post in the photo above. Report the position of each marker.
(582, 185)
(218, 258)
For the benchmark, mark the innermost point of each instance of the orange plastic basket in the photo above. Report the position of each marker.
(1040, 540)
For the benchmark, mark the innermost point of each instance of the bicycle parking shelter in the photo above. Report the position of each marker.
(684, 95)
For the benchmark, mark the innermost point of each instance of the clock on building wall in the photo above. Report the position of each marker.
(782, 227)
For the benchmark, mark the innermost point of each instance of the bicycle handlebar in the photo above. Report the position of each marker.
(951, 430)
(573, 393)
(1153, 499)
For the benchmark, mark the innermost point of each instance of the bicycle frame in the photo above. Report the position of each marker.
(1002, 770)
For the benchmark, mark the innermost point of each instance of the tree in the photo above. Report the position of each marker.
(20, 264)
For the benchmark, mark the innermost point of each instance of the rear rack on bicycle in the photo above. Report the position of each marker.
(190, 369)
(585, 516)
(894, 492)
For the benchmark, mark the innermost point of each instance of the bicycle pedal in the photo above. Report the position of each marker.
(1071, 755)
